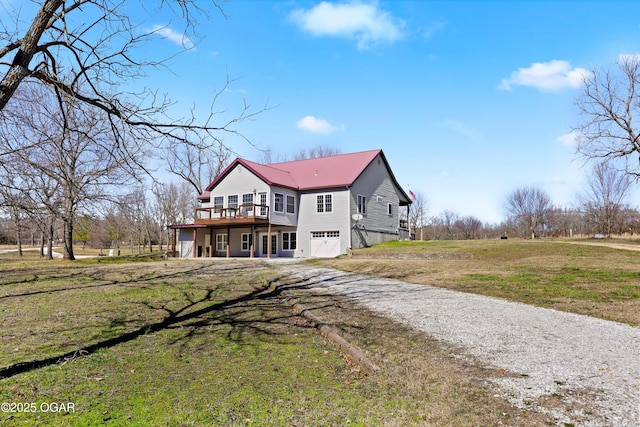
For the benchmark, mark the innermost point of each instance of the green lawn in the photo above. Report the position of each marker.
(198, 343)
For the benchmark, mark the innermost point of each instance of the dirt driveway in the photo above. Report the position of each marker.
(591, 365)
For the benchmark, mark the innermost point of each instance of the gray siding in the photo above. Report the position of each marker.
(284, 218)
(377, 225)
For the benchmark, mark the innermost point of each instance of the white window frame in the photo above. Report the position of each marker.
(229, 204)
(262, 197)
(247, 199)
(245, 242)
(324, 203)
(221, 242)
(289, 244)
(362, 204)
(275, 202)
(292, 205)
(390, 209)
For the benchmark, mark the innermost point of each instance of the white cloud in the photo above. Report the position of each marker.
(434, 28)
(546, 76)
(178, 38)
(569, 139)
(365, 23)
(315, 125)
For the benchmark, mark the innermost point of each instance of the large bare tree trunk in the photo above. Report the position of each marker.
(68, 230)
(28, 46)
(50, 241)
(16, 219)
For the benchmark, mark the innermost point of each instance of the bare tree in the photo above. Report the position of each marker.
(418, 215)
(89, 50)
(13, 202)
(48, 134)
(528, 206)
(174, 204)
(609, 101)
(469, 227)
(565, 221)
(316, 151)
(197, 166)
(604, 196)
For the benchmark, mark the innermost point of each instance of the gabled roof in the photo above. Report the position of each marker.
(310, 174)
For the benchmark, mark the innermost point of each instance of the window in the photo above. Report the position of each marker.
(263, 203)
(324, 203)
(362, 204)
(278, 202)
(232, 201)
(221, 242)
(291, 204)
(323, 234)
(379, 199)
(390, 209)
(218, 203)
(246, 239)
(247, 202)
(289, 241)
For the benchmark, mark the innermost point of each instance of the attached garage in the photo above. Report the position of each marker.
(325, 244)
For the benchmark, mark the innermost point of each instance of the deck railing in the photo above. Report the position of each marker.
(242, 213)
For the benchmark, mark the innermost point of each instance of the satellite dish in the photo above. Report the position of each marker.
(356, 217)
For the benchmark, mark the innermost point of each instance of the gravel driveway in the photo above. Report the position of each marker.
(593, 364)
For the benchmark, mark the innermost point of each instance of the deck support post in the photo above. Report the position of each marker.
(268, 248)
(251, 246)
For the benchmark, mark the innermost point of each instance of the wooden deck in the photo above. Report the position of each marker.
(240, 216)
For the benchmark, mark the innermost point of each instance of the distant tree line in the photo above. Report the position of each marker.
(601, 209)
(136, 223)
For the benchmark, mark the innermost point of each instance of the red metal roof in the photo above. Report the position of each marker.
(310, 174)
(322, 172)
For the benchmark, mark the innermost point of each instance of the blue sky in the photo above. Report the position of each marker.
(468, 99)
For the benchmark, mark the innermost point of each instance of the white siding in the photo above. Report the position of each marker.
(310, 220)
(185, 243)
(239, 181)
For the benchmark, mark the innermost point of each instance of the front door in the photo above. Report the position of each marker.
(265, 246)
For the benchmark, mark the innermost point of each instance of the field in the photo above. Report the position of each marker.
(594, 278)
(134, 341)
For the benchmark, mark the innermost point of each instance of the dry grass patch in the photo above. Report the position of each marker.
(586, 279)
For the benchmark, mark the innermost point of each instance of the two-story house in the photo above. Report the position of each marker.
(317, 207)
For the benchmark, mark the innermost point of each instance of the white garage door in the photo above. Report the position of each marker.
(325, 244)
